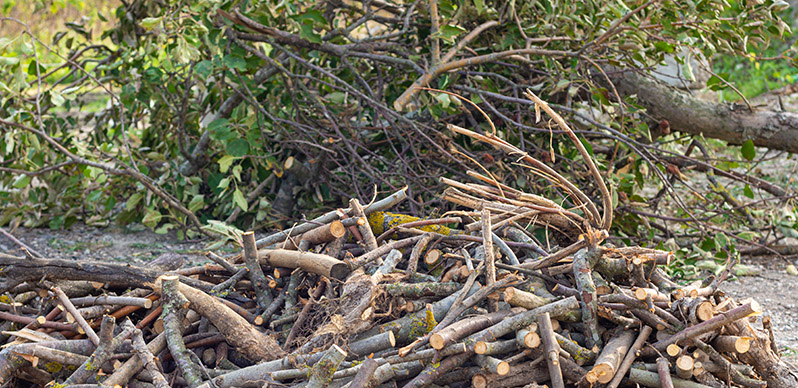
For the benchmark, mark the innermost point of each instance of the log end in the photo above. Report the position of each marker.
(339, 271)
(436, 341)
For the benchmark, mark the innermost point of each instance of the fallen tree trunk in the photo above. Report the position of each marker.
(731, 122)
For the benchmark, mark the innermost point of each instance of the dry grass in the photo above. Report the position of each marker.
(47, 17)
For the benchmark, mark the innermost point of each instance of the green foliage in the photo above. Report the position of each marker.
(147, 83)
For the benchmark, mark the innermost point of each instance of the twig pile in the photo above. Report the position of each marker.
(327, 302)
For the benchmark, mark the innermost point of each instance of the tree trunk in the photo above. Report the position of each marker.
(734, 123)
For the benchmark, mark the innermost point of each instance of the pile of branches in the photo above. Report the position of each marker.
(360, 297)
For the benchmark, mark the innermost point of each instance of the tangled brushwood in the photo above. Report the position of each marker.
(361, 297)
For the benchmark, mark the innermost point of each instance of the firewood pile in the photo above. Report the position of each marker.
(362, 297)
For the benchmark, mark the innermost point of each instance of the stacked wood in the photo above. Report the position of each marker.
(359, 297)
(181, 328)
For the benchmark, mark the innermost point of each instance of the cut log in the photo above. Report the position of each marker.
(309, 262)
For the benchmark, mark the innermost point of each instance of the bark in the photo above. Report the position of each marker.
(706, 326)
(173, 313)
(651, 379)
(309, 262)
(552, 351)
(630, 357)
(731, 122)
(262, 291)
(17, 270)
(235, 329)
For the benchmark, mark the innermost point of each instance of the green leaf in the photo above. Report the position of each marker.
(203, 68)
(8, 61)
(56, 98)
(716, 83)
(237, 172)
(306, 32)
(235, 62)
(163, 229)
(238, 147)
(480, 6)
(220, 129)
(238, 198)
(449, 32)
(21, 181)
(748, 151)
(197, 203)
(149, 23)
(152, 218)
(664, 47)
(224, 183)
(748, 192)
(133, 201)
(336, 97)
(443, 99)
(313, 16)
(225, 162)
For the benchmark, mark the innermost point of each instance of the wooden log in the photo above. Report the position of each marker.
(494, 348)
(580, 355)
(235, 329)
(651, 379)
(420, 290)
(142, 350)
(388, 372)
(112, 300)
(325, 233)
(664, 372)
(527, 300)
(731, 344)
(415, 253)
(552, 350)
(684, 366)
(34, 351)
(374, 344)
(78, 318)
(527, 338)
(707, 326)
(309, 262)
(641, 293)
(490, 257)
(630, 357)
(693, 310)
(173, 311)
(492, 364)
(28, 320)
(16, 271)
(364, 374)
(518, 375)
(584, 260)
(380, 205)
(262, 290)
(432, 257)
(321, 373)
(609, 360)
(465, 327)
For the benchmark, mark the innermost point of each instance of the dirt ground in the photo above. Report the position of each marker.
(773, 287)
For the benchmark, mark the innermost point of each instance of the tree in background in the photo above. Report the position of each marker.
(178, 113)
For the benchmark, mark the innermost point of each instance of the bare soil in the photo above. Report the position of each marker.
(777, 292)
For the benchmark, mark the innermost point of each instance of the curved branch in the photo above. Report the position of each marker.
(425, 79)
